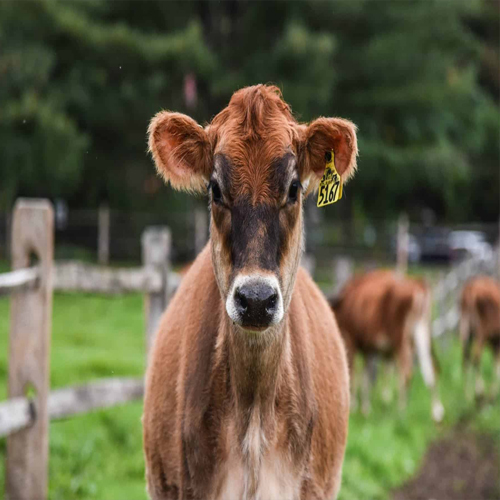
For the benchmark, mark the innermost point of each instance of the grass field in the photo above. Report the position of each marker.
(99, 456)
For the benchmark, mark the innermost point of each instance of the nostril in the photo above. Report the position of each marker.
(241, 301)
(271, 302)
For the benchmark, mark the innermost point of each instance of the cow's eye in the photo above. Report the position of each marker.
(293, 191)
(216, 192)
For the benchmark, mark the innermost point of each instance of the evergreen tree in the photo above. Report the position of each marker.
(80, 85)
(81, 80)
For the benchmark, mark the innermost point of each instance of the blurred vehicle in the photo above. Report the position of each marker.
(465, 244)
(435, 245)
(414, 250)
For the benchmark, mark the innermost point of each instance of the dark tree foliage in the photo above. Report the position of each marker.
(81, 80)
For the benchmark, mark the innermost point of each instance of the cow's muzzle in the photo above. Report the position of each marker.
(255, 302)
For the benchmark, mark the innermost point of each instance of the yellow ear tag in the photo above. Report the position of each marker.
(330, 187)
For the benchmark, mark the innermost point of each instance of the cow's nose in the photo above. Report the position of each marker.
(256, 304)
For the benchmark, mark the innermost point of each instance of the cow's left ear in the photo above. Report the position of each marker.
(325, 134)
(181, 151)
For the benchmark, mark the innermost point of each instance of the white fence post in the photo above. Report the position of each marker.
(8, 234)
(343, 269)
(309, 263)
(156, 242)
(403, 242)
(103, 235)
(29, 357)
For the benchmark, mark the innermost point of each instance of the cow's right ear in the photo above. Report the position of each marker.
(323, 135)
(181, 151)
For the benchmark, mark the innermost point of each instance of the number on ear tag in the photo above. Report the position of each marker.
(330, 187)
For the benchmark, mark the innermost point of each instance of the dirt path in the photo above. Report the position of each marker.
(463, 466)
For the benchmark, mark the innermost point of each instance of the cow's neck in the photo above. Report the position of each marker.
(255, 367)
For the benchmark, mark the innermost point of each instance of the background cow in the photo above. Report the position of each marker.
(381, 313)
(480, 326)
(247, 390)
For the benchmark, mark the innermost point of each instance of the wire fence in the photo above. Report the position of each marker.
(369, 243)
(77, 234)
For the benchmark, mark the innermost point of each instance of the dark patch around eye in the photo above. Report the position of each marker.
(287, 222)
(216, 192)
(222, 221)
(293, 191)
(224, 173)
(280, 174)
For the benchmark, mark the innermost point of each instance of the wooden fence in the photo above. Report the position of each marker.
(25, 416)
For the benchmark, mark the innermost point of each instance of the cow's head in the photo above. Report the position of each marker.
(257, 163)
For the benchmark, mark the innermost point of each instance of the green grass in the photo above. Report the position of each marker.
(386, 448)
(99, 456)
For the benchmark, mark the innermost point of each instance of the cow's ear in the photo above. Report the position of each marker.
(326, 134)
(181, 151)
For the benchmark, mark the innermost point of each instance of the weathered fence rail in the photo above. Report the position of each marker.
(89, 278)
(25, 416)
(19, 413)
(16, 414)
(18, 280)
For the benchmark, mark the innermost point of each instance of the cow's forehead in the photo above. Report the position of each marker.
(254, 141)
(255, 173)
(256, 122)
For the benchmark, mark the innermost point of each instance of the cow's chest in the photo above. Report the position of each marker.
(275, 479)
(257, 470)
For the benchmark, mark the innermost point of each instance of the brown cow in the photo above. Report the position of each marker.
(381, 313)
(247, 391)
(480, 324)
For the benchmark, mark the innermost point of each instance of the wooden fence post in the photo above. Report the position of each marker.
(103, 235)
(342, 271)
(8, 234)
(309, 263)
(200, 229)
(29, 361)
(156, 243)
(403, 243)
